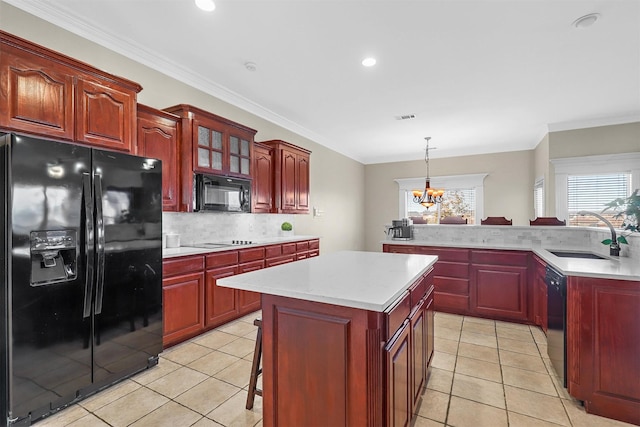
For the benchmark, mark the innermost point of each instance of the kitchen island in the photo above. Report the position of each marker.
(347, 337)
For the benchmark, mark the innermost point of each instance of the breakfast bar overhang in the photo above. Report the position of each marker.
(347, 337)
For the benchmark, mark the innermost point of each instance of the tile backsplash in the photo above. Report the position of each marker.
(577, 238)
(202, 227)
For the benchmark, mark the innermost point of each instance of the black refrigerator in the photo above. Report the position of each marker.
(81, 265)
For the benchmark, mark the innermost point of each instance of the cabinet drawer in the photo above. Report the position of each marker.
(280, 260)
(273, 251)
(417, 290)
(302, 246)
(456, 255)
(221, 259)
(288, 248)
(500, 257)
(314, 253)
(314, 244)
(452, 285)
(452, 269)
(397, 313)
(174, 266)
(253, 254)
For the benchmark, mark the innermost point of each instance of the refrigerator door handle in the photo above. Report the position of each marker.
(88, 249)
(97, 180)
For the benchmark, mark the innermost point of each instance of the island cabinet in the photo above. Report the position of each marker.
(183, 285)
(210, 144)
(263, 175)
(291, 177)
(499, 284)
(452, 275)
(43, 92)
(334, 365)
(603, 346)
(539, 290)
(158, 133)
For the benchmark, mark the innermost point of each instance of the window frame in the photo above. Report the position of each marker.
(475, 181)
(591, 165)
(539, 185)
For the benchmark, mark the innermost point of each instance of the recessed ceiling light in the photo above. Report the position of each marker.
(369, 62)
(206, 5)
(586, 21)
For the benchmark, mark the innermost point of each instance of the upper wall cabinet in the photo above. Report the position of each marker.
(262, 178)
(158, 133)
(46, 93)
(291, 183)
(211, 144)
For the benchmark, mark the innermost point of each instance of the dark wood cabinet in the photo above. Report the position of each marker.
(291, 177)
(538, 272)
(158, 133)
(603, 346)
(49, 94)
(499, 284)
(263, 175)
(249, 301)
(222, 304)
(452, 275)
(369, 367)
(399, 393)
(210, 144)
(183, 299)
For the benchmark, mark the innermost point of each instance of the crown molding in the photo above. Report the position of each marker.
(592, 123)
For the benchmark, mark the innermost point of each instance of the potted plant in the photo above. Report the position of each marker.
(627, 208)
(287, 228)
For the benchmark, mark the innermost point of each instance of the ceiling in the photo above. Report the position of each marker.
(480, 76)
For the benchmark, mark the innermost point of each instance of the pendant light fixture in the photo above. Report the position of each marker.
(429, 196)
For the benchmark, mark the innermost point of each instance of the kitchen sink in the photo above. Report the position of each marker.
(572, 254)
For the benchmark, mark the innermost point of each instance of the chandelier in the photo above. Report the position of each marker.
(429, 196)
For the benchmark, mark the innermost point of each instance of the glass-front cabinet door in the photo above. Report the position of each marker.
(210, 148)
(239, 155)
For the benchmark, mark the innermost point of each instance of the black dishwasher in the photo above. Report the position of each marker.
(557, 321)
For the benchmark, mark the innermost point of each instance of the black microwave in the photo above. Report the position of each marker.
(221, 193)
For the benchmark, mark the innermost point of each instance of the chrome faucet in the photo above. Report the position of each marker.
(614, 247)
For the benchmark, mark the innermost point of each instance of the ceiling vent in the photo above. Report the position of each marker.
(406, 117)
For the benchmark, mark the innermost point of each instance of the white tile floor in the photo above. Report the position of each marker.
(484, 373)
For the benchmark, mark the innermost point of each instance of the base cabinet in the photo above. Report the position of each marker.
(540, 292)
(353, 367)
(183, 299)
(398, 355)
(193, 301)
(603, 346)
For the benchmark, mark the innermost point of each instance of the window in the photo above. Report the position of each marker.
(592, 193)
(457, 201)
(463, 196)
(538, 197)
(588, 183)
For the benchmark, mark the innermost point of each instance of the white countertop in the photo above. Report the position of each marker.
(365, 280)
(190, 250)
(618, 268)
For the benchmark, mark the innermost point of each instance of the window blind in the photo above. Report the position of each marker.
(593, 192)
